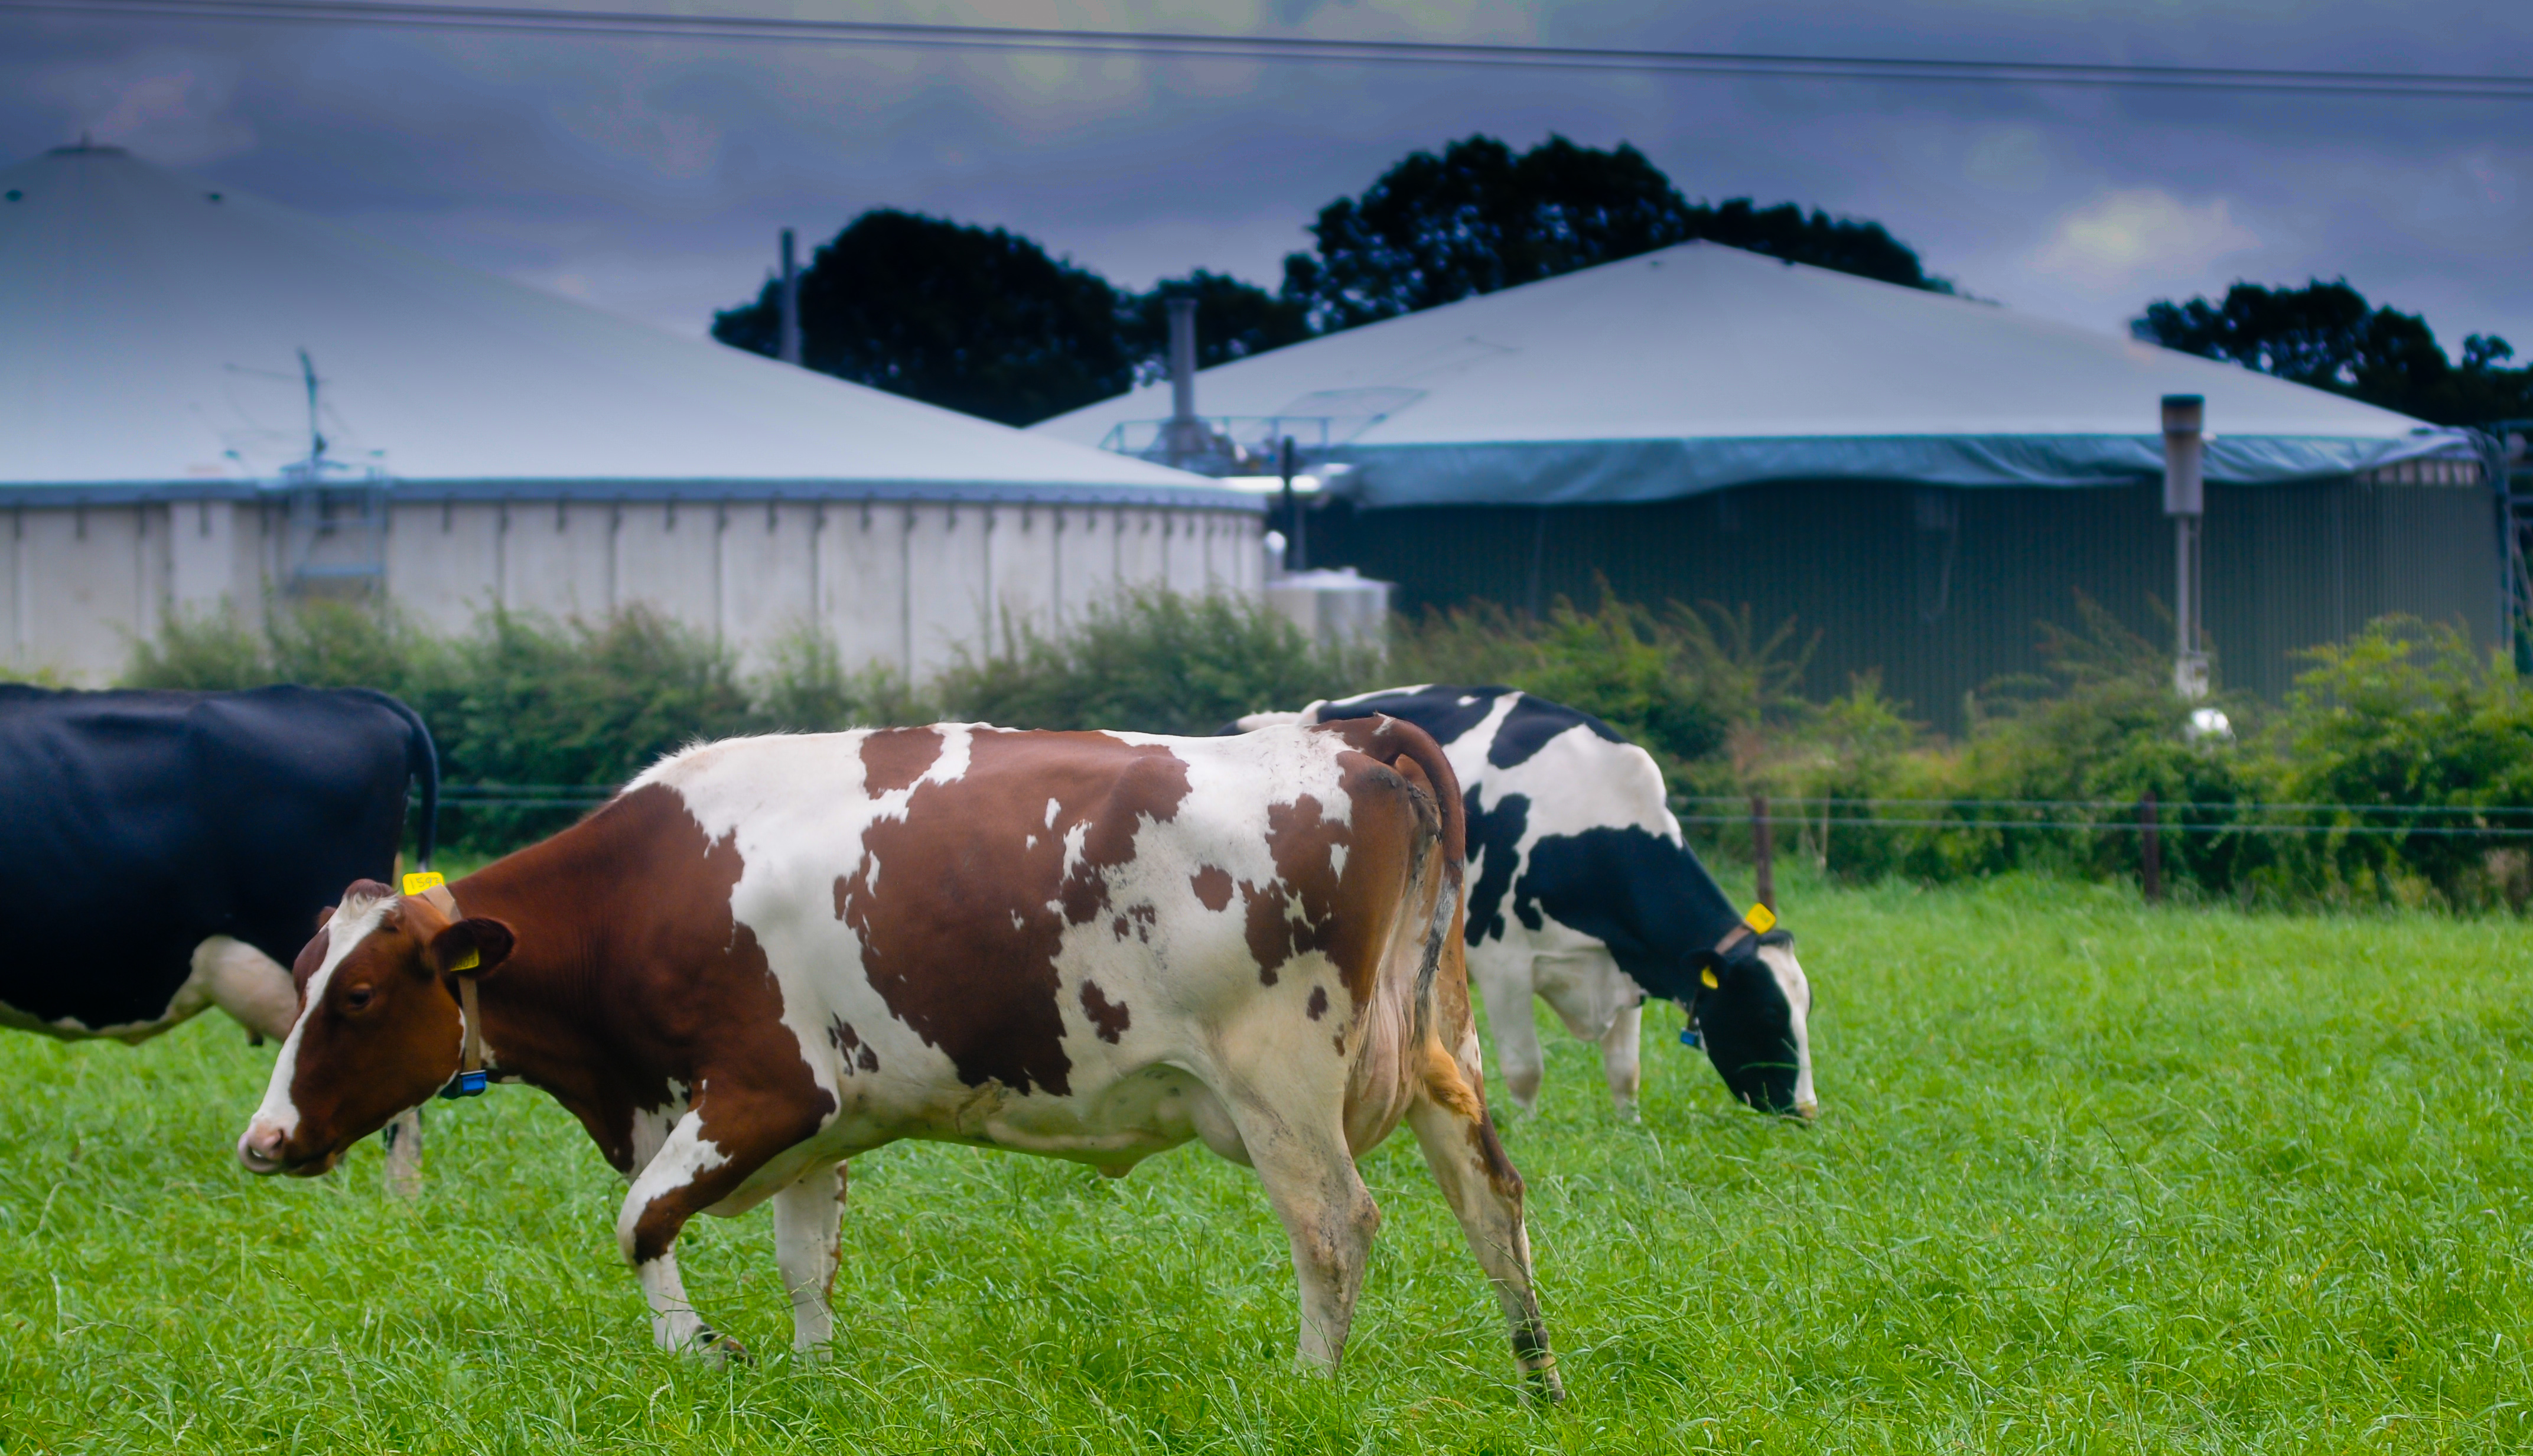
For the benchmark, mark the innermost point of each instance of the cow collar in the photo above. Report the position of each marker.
(1758, 921)
(470, 1080)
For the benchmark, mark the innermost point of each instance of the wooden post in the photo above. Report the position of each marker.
(2149, 850)
(1763, 850)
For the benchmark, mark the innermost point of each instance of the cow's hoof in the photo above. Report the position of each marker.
(718, 1351)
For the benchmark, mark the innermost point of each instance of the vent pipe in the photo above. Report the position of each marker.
(788, 346)
(1182, 360)
(1184, 436)
(2185, 417)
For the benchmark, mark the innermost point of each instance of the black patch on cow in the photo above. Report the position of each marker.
(1438, 709)
(1647, 898)
(1319, 1006)
(1495, 846)
(857, 1052)
(1110, 1017)
(1532, 721)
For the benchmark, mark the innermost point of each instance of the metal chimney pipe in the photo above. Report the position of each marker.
(788, 347)
(2185, 500)
(1182, 357)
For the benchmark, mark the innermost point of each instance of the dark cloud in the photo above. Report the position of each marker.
(650, 176)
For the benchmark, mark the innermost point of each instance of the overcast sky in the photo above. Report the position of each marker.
(650, 176)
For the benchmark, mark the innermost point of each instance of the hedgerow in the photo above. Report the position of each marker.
(2403, 728)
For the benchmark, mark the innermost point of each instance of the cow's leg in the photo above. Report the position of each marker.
(1505, 981)
(1599, 1004)
(1485, 1193)
(1328, 1214)
(692, 1171)
(809, 1217)
(1620, 1050)
(248, 984)
(402, 1139)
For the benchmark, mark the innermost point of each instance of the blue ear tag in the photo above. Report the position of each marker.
(1689, 1037)
(464, 1084)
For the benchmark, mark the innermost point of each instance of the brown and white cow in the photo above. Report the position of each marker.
(769, 954)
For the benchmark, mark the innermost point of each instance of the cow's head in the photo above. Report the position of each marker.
(1752, 1008)
(378, 1028)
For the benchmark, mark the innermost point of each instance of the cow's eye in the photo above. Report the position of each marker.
(357, 997)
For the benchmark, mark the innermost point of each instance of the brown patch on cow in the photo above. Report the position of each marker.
(1319, 1006)
(311, 956)
(1212, 885)
(1490, 1157)
(1110, 1016)
(893, 758)
(1292, 914)
(1297, 915)
(958, 939)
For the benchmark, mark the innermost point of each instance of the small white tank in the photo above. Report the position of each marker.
(1334, 606)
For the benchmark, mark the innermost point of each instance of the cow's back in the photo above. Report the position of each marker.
(1039, 915)
(132, 825)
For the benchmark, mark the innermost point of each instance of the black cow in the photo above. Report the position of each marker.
(165, 851)
(1583, 892)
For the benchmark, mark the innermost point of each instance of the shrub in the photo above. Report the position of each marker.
(2404, 717)
(1694, 686)
(1153, 661)
(807, 690)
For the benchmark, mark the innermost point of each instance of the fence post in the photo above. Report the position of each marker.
(1763, 850)
(2149, 850)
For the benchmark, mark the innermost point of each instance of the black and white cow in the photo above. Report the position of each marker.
(1583, 892)
(161, 852)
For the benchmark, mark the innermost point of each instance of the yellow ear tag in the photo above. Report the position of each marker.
(1760, 919)
(421, 880)
(473, 959)
(1707, 976)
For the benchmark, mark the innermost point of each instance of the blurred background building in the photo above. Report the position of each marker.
(210, 399)
(1920, 478)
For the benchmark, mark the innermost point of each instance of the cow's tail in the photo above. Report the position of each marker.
(1444, 1032)
(422, 761)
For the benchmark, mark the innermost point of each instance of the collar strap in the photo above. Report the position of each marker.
(470, 1080)
(1758, 921)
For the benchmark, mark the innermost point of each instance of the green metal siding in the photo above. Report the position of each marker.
(1943, 591)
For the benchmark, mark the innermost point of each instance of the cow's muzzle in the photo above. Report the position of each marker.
(263, 1150)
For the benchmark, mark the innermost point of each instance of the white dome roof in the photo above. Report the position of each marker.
(1700, 367)
(152, 327)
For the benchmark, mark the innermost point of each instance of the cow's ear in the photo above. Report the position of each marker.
(474, 947)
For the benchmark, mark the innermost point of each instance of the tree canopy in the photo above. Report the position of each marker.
(976, 320)
(1478, 217)
(986, 321)
(2329, 337)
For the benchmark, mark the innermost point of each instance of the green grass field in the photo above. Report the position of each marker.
(2088, 1177)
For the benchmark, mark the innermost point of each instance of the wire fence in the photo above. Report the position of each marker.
(2211, 816)
(2147, 818)
(2144, 818)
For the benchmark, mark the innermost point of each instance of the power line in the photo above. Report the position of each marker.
(1159, 43)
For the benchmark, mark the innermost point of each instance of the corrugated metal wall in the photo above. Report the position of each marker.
(1943, 590)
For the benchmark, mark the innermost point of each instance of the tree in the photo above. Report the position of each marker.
(976, 319)
(1233, 320)
(1435, 229)
(2329, 337)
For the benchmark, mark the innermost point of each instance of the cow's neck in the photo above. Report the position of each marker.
(546, 1012)
(1684, 913)
(1709, 915)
